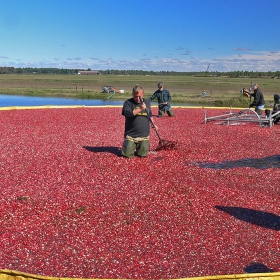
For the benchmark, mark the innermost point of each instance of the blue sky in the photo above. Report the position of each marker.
(166, 35)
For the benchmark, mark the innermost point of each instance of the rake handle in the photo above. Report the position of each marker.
(151, 121)
(153, 124)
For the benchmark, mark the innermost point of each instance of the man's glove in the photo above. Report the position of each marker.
(252, 105)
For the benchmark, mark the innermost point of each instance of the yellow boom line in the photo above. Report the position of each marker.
(17, 275)
(104, 106)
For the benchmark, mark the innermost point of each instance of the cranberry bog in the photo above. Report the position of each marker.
(71, 206)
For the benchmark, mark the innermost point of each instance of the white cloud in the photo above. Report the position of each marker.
(251, 61)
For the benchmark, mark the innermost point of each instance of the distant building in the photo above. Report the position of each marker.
(88, 72)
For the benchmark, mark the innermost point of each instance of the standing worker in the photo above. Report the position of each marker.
(163, 97)
(137, 127)
(258, 102)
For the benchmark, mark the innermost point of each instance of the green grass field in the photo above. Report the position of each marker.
(223, 91)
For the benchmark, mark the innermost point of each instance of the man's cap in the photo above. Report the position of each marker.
(254, 85)
(160, 84)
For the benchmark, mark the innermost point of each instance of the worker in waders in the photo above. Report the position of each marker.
(164, 98)
(137, 124)
(258, 102)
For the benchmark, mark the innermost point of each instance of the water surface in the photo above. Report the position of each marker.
(7, 100)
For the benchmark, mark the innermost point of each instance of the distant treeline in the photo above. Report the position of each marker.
(59, 71)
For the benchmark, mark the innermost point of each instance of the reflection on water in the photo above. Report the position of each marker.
(21, 100)
(260, 163)
(7, 100)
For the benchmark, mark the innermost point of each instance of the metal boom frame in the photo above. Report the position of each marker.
(245, 115)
